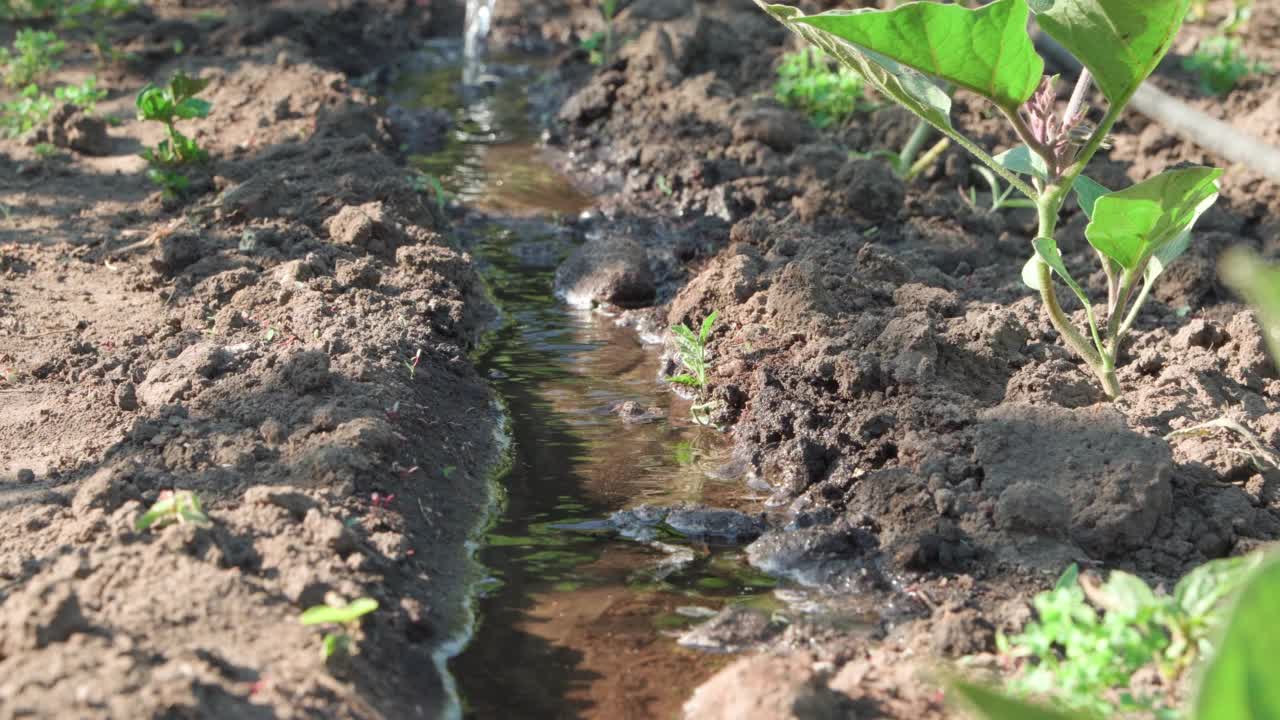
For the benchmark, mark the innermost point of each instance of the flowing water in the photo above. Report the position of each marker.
(572, 624)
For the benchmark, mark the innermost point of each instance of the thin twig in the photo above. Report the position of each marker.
(1259, 447)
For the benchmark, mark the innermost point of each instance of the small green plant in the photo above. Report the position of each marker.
(1000, 199)
(1088, 640)
(664, 186)
(1235, 682)
(812, 83)
(1220, 64)
(28, 110)
(168, 105)
(600, 45)
(412, 365)
(345, 617)
(422, 182)
(34, 55)
(915, 52)
(692, 348)
(84, 96)
(181, 507)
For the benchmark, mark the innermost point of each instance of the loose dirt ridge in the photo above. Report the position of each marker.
(249, 347)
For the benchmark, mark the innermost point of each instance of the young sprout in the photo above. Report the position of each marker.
(913, 53)
(181, 507)
(808, 81)
(1220, 64)
(412, 365)
(168, 105)
(345, 617)
(692, 348)
(34, 55)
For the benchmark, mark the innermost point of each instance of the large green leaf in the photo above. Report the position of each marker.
(995, 705)
(1131, 225)
(986, 50)
(1239, 683)
(1120, 41)
(909, 87)
(1259, 283)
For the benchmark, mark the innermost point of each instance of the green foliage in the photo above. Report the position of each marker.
(84, 96)
(1236, 682)
(330, 615)
(1000, 195)
(692, 349)
(422, 182)
(34, 55)
(1239, 681)
(25, 112)
(809, 82)
(986, 50)
(1220, 64)
(1120, 41)
(346, 616)
(600, 45)
(64, 11)
(168, 105)
(1150, 219)
(182, 507)
(915, 51)
(1083, 648)
(1259, 283)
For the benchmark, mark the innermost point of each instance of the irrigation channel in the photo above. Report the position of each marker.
(571, 622)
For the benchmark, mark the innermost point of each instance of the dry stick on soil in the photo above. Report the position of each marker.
(1260, 449)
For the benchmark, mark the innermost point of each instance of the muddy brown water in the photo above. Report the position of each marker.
(570, 624)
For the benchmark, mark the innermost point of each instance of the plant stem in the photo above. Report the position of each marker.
(907, 158)
(1048, 206)
(928, 158)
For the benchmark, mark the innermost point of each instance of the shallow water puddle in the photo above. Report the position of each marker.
(574, 623)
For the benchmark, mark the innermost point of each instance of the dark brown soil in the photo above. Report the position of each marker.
(894, 385)
(932, 454)
(249, 345)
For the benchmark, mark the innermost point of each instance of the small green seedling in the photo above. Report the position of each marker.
(1235, 682)
(412, 364)
(607, 8)
(346, 617)
(1089, 639)
(181, 507)
(1000, 199)
(664, 186)
(84, 96)
(167, 105)
(915, 52)
(28, 110)
(692, 348)
(34, 55)
(1220, 64)
(812, 83)
(423, 181)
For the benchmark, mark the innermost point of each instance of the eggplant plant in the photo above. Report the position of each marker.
(912, 52)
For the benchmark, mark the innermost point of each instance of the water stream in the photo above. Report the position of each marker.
(572, 624)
